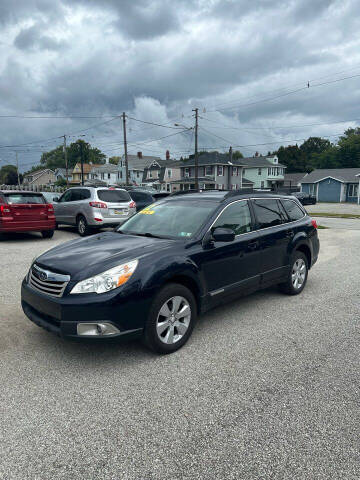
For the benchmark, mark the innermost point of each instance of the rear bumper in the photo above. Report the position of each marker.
(23, 227)
(98, 220)
(62, 315)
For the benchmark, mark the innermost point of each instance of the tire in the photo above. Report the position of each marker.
(298, 274)
(82, 226)
(168, 337)
(47, 233)
(56, 226)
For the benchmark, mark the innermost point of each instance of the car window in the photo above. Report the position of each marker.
(76, 195)
(84, 194)
(141, 197)
(113, 196)
(66, 197)
(173, 219)
(237, 217)
(18, 198)
(293, 210)
(267, 212)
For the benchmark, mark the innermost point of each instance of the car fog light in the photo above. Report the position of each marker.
(97, 329)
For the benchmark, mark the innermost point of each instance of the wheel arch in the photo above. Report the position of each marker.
(305, 249)
(188, 282)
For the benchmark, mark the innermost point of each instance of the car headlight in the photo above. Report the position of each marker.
(106, 281)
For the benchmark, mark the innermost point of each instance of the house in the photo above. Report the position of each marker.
(40, 177)
(107, 173)
(160, 174)
(293, 180)
(219, 170)
(76, 173)
(60, 174)
(136, 166)
(333, 185)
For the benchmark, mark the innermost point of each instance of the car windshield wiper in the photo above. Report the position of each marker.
(146, 234)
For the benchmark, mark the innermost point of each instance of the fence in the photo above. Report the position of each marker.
(34, 188)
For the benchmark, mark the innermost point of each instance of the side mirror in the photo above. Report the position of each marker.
(55, 199)
(223, 235)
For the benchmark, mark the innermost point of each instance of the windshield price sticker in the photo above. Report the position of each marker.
(147, 211)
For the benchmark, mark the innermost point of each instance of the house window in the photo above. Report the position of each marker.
(235, 172)
(269, 171)
(149, 174)
(234, 186)
(259, 171)
(137, 174)
(208, 170)
(312, 189)
(220, 170)
(169, 173)
(262, 184)
(187, 172)
(108, 175)
(353, 190)
(220, 186)
(102, 176)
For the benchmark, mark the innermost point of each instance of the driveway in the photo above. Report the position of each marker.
(266, 388)
(347, 208)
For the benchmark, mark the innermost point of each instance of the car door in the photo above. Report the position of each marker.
(274, 238)
(74, 205)
(62, 207)
(229, 267)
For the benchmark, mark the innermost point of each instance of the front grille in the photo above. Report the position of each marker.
(48, 282)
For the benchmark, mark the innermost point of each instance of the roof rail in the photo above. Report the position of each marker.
(233, 193)
(195, 190)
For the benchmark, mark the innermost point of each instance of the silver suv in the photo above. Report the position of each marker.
(93, 207)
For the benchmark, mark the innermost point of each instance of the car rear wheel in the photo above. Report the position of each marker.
(298, 274)
(47, 233)
(171, 319)
(82, 226)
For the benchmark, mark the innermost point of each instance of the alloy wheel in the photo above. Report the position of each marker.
(82, 226)
(173, 320)
(298, 273)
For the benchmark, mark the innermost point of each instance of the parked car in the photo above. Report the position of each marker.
(169, 263)
(145, 196)
(305, 198)
(91, 208)
(22, 211)
(51, 197)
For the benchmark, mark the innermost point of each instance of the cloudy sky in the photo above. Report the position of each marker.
(245, 65)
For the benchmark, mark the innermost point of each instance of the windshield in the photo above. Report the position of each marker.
(20, 198)
(173, 219)
(113, 196)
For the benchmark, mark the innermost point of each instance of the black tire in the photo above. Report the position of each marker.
(56, 226)
(289, 287)
(151, 337)
(82, 226)
(47, 233)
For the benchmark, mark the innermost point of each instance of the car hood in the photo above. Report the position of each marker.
(98, 253)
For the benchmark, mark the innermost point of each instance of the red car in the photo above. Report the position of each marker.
(26, 212)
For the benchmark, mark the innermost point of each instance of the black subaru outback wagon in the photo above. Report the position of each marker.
(169, 263)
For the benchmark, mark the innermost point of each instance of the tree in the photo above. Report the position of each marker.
(114, 160)
(315, 145)
(56, 159)
(8, 175)
(237, 154)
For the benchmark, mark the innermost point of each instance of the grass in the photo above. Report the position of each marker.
(321, 227)
(334, 215)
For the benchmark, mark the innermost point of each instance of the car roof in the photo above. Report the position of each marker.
(20, 191)
(222, 195)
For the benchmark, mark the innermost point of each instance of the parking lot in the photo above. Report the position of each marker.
(266, 388)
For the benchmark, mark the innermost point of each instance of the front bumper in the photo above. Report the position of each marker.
(63, 315)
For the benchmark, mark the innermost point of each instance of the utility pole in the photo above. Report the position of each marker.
(17, 169)
(196, 110)
(230, 167)
(82, 163)
(125, 150)
(66, 163)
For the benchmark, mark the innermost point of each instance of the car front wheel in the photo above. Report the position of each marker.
(298, 274)
(171, 319)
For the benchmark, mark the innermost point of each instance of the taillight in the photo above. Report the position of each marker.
(132, 204)
(314, 224)
(98, 204)
(50, 208)
(4, 209)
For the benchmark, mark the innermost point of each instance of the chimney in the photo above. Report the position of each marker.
(167, 155)
(139, 154)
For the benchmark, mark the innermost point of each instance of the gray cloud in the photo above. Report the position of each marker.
(159, 59)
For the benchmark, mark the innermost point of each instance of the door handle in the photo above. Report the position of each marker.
(253, 245)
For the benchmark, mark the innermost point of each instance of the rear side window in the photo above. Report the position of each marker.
(75, 195)
(293, 210)
(113, 196)
(84, 194)
(236, 217)
(13, 198)
(141, 197)
(268, 213)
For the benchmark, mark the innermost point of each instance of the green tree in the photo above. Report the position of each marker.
(56, 159)
(114, 160)
(237, 154)
(8, 175)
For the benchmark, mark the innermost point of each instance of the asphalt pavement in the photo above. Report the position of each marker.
(266, 388)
